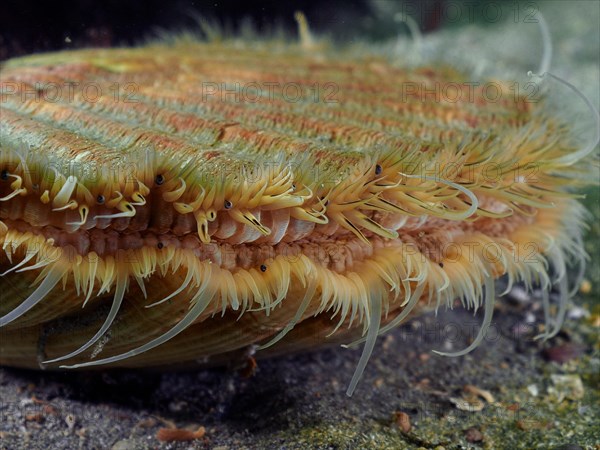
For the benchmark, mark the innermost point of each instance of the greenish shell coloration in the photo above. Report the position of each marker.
(190, 203)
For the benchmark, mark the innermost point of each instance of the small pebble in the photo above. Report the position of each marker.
(533, 390)
(486, 395)
(563, 353)
(124, 444)
(585, 287)
(529, 318)
(402, 420)
(34, 417)
(519, 294)
(577, 313)
(179, 434)
(70, 421)
(567, 386)
(473, 435)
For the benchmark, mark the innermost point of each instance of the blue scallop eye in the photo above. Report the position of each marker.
(159, 179)
(228, 204)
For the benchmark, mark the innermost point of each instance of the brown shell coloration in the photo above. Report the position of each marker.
(201, 199)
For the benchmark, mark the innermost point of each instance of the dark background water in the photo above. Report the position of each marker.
(33, 26)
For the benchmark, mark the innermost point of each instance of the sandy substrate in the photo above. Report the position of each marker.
(408, 398)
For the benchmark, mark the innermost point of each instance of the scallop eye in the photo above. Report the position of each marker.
(159, 179)
(263, 268)
(160, 245)
(378, 169)
(228, 204)
(100, 199)
(4, 175)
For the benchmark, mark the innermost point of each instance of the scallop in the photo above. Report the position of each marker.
(207, 224)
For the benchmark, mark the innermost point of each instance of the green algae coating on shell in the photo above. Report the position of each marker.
(204, 198)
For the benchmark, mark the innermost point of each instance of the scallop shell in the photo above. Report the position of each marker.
(190, 203)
